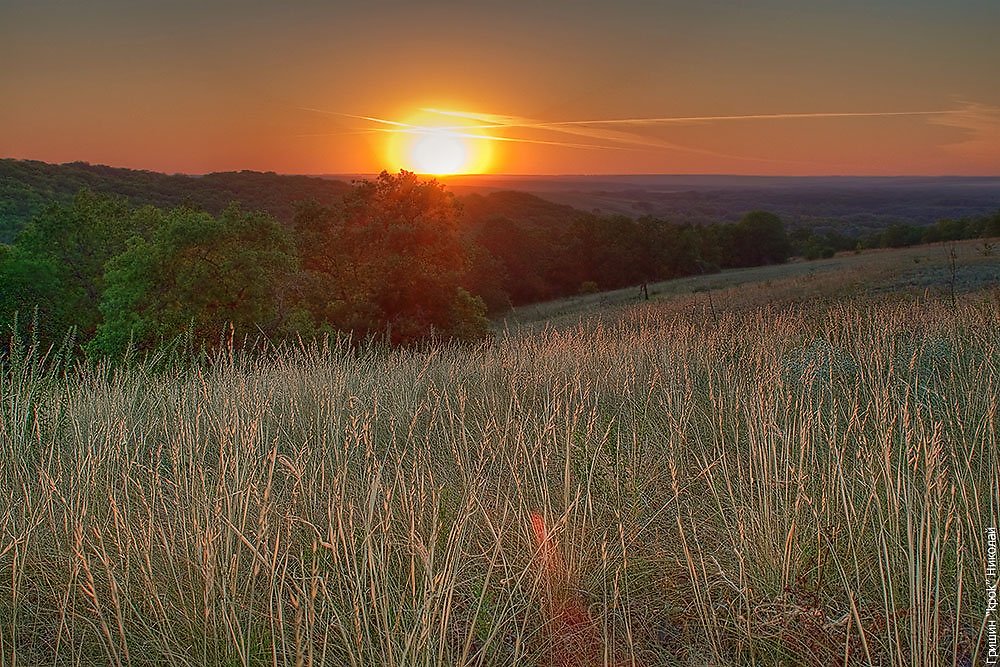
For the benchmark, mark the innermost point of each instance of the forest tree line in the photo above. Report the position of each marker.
(397, 258)
(854, 207)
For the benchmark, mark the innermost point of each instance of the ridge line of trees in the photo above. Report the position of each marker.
(397, 257)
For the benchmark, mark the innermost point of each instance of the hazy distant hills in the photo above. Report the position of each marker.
(848, 204)
(852, 202)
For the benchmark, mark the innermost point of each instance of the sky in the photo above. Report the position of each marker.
(881, 87)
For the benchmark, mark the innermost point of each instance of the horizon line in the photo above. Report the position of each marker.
(445, 177)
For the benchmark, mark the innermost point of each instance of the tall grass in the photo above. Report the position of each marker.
(799, 485)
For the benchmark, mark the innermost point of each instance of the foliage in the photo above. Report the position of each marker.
(199, 274)
(542, 261)
(396, 258)
(58, 262)
(27, 187)
(389, 262)
(761, 239)
(30, 288)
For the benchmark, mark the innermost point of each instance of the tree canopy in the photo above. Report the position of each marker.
(397, 258)
(199, 274)
(389, 261)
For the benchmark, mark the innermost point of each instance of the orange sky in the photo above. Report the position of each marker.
(181, 87)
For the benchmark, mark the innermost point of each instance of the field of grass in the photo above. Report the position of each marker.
(786, 469)
(918, 272)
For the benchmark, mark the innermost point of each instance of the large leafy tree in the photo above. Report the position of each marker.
(56, 268)
(200, 274)
(30, 294)
(390, 262)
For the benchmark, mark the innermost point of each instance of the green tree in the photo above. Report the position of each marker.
(484, 277)
(30, 292)
(522, 253)
(991, 226)
(57, 264)
(899, 236)
(201, 274)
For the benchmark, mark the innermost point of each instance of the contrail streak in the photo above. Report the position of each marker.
(371, 119)
(638, 142)
(614, 139)
(761, 116)
(496, 119)
(585, 127)
(408, 128)
(512, 121)
(416, 129)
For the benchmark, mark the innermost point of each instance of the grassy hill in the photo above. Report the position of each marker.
(920, 272)
(784, 465)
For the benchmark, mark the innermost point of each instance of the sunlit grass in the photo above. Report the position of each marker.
(778, 484)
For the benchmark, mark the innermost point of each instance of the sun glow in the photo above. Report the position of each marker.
(438, 152)
(438, 145)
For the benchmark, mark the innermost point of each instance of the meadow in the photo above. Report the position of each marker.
(788, 465)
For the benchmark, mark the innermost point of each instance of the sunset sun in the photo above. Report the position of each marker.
(438, 152)
(432, 144)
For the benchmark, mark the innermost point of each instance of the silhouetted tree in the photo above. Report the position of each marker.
(761, 239)
(390, 262)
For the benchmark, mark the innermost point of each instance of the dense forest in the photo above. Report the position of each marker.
(397, 258)
(28, 186)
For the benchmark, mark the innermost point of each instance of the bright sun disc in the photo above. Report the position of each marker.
(439, 153)
(438, 145)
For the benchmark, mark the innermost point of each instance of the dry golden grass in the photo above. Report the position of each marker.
(785, 481)
(920, 272)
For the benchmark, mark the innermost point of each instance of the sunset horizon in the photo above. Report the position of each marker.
(391, 154)
(777, 88)
(445, 178)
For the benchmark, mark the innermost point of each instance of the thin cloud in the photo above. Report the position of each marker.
(456, 132)
(495, 121)
(518, 122)
(592, 128)
(633, 140)
(398, 127)
(981, 123)
(763, 116)
(370, 119)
